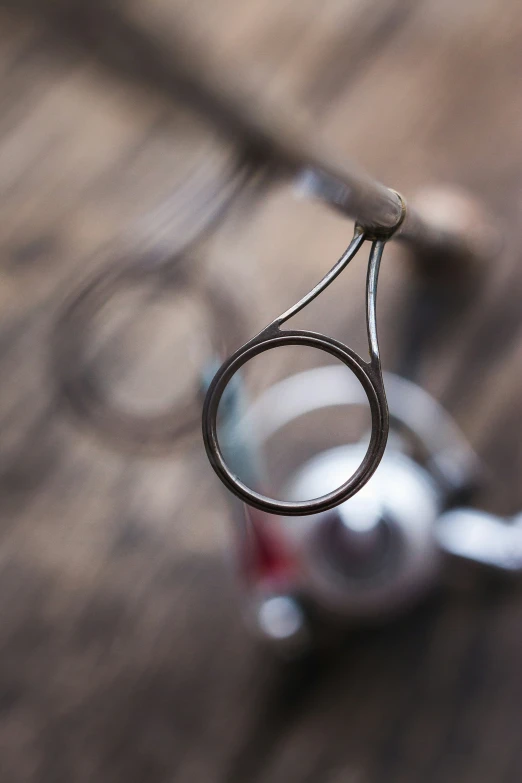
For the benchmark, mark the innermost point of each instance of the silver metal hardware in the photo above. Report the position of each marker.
(367, 373)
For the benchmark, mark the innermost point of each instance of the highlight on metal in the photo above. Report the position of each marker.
(368, 373)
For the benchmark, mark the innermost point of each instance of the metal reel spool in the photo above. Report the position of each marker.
(377, 551)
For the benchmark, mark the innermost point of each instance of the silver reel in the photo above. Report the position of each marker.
(378, 552)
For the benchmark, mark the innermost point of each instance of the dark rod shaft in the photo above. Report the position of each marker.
(173, 68)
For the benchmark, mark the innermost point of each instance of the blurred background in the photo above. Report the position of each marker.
(124, 653)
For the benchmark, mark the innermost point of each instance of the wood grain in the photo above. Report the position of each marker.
(124, 653)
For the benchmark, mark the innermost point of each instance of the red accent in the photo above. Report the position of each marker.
(265, 557)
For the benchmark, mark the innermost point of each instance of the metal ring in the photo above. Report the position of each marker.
(80, 388)
(370, 379)
(78, 385)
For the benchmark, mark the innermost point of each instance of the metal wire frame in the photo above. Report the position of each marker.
(83, 392)
(74, 378)
(369, 375)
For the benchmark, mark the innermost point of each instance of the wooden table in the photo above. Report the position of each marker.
(124, 654)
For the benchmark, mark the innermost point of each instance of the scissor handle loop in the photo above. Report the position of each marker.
(369, 376)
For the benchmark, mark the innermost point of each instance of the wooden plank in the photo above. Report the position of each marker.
(125, 654)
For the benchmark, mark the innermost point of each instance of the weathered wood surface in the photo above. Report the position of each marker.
(124, 656)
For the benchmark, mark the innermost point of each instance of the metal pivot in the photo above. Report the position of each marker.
(369, 375)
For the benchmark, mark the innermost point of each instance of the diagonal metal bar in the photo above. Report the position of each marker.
(269, 136)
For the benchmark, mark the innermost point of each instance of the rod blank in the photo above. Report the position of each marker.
(268, 136)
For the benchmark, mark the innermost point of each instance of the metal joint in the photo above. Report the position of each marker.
(382, 233)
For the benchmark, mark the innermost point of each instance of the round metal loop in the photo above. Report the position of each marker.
(370, 379)
(77, 382)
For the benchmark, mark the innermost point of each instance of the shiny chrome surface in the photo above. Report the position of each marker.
(483, 538)
(367, 373)
(376, 553)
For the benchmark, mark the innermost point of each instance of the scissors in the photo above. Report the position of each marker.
(368, 373)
